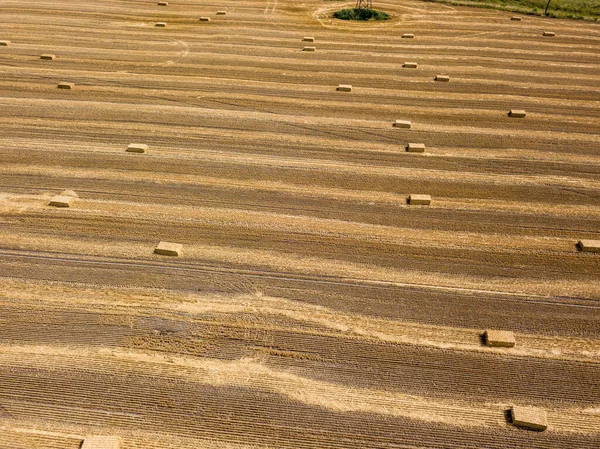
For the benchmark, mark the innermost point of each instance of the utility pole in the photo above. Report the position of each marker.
(546, 11)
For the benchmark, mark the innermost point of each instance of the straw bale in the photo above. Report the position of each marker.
(48, 57)
(529, 417)
(496, 338)
(4, 43)
(410, 65)
(415, 148)
(64, 85)
(101, 442)
(549, 33)
(168, 249)
(345, 88)
(442, 78)
(419, 199)
(516, 18)
(309, 49)
(402, 124)
(137, 148)
(204, 19)
(61, 201)
(518, 113)
(408, 36)
(160, 24)
(592, 246)
(308, 39)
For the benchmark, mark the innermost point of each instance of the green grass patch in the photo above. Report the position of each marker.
(564, 9)
(360, 14)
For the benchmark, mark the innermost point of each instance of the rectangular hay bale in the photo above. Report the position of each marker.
(168, 249)
(410, 65)
(408, 36)
(518, 113)
(204, 19)
(402, 124)
(516, 18)
(4, 43)
(64, 85)
(549, 33)
(591, 246)
(442, 78)
(308, 39)
(419, 199)
(47, 57)
(415, 148)
(221, 13)
(101, 442)
(529, 417)
(501, 339)
(163, 3)
(137, 148)
(345, 88)
(309, 49)
(160, 24)
(61, 201)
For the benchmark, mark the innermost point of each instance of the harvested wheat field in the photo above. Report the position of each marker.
(309, 305)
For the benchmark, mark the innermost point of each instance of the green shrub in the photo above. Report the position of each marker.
(360, 14)
(573, 9)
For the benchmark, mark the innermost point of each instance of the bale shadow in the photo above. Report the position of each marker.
(508, 417)
(482, 339)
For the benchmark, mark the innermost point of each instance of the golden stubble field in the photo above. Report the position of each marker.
(311, 306)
